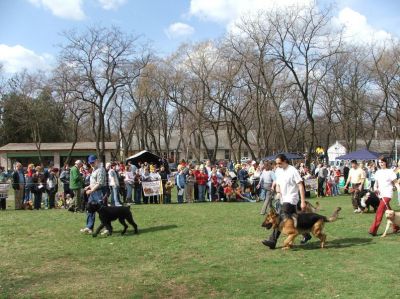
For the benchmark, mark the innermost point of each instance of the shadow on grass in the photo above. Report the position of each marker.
(146, 230)
(337, 243)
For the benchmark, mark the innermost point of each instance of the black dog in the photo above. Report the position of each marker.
(369, 198)
(109, 214)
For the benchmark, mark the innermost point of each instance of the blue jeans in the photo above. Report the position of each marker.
(46, 200)
(27, 194)
(138, 195)
(115, 196)
(266, 196)
(180, 197)
(335, 189)
(96, 196)
(202, 192)
(128, 193)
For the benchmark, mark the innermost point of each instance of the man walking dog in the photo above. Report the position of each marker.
(94, 190)
(356, 178)
(288, 185)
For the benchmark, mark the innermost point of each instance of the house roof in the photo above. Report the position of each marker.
(56, 146)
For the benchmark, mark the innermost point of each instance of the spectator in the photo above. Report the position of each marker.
(322, 176)
(137, 187)
(346, 171)
(64, 178)
(3, 189)
(201, 180)
(266, 180)
(129, 180)
(76, 182)
(38, 187)
(52, 186)
(113, 180)
(154, 176)
(243, 177)
(18, 185)
(145, 178)
(164, 179)
(180, 183)
(168, 190)
(28, 184)
(190, 180)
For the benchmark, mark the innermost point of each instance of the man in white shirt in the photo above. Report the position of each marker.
(288, 184)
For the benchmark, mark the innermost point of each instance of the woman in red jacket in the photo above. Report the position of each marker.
(202, 179)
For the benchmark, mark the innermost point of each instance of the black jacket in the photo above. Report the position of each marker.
(16, 182)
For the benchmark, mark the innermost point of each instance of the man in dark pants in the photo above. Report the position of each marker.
(346, 171)
(18, 185)
(322, 175)
(288, 184)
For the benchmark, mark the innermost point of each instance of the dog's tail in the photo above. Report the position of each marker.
(335, 215)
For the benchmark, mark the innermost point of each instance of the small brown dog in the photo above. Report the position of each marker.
(392, 218)
(306, 222)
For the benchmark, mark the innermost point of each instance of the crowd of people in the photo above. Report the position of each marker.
(37, 187)
(118, 184)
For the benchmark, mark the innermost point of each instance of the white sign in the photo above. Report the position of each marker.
(311, 184)
(152, 188)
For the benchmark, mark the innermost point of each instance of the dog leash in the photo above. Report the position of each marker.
(381, 198)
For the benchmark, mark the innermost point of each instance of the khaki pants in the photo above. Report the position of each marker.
(77, 199)
(355, 198)
(19, 196)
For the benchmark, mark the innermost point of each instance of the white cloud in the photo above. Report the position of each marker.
(357, 29)
(228, 11)
(178, 29)
(66, 9)
(111, 4)
(16, 58)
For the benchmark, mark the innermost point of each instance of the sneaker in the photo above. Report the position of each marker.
(269, 244)
(104, 232)
(86, 230)
(357, 210)
(305, 239)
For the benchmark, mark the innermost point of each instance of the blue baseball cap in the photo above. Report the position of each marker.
(91, 159)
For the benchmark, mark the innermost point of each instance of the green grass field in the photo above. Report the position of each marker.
(193, 251)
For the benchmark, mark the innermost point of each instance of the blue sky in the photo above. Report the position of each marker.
(30, 29)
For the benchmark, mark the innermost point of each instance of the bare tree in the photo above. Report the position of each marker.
(102, 61)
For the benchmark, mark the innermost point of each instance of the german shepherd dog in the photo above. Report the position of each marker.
(109, 214)
(306, 223)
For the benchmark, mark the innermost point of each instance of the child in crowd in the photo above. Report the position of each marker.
(168, 189)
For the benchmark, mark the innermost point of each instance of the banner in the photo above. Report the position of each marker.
(311, 184)
(152, 188)
(3, 190)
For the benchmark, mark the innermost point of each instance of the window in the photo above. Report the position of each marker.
(205, 155)
(227, 154)
(245, 153)
(190, 155)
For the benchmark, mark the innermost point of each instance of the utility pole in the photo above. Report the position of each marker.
(394, 130)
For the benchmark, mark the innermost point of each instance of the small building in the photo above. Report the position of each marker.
(335, 151)
(52, 153)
